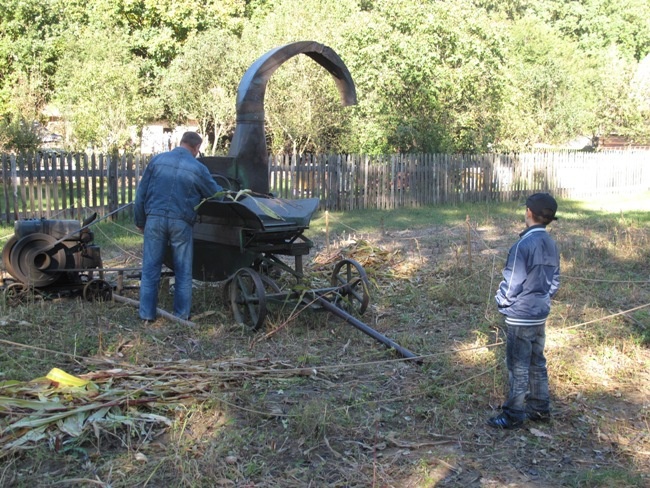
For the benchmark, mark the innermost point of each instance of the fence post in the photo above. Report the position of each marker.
(112, 162)
(14, 186)
(5, 187)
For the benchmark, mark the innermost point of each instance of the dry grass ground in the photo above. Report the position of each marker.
(312, 401)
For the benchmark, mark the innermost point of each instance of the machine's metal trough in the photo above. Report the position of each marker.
(233, 234)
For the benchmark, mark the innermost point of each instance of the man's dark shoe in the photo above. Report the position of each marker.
(502, 421)
(538, 416)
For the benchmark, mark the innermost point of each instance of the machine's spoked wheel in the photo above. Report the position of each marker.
(353, 286)
(17, 294)
(247, 298)
(97, 291)
(270, 286)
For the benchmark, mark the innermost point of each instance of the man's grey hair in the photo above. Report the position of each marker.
(192, 139)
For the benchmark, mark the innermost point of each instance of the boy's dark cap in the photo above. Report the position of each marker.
(542, 204)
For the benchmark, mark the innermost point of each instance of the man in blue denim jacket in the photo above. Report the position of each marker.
(173, 183)
(530, 278)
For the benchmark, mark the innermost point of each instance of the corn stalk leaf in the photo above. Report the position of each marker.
(238, 196)
(9, 384)
(33, 435)
(152, 417)
(74, 424)
(65, 379)
(219, 194)
(41, 409)
(98, 415)
(8, 402)
(267, 210)
(34, 422)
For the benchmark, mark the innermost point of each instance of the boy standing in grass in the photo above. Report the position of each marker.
(530, 278)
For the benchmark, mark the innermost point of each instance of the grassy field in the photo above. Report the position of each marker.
(312, 401)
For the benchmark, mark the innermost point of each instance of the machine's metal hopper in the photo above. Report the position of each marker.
(231, 234)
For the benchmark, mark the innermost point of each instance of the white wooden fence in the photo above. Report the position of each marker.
(68, 186)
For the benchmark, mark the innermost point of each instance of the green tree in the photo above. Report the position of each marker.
(156, 30)
(18, 134)
(550, 96)
(201, 83)
(29, 49)
(428, 77)
(598, 24)
(619, 108)
(20, 125)
(99, 91)
(431, 75)
(640, 95)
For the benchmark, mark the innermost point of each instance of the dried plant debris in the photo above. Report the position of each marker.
(59, 407)
(377, 262)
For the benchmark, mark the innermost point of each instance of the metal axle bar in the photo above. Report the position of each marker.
(330, 307)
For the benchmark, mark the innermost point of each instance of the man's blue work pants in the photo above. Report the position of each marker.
(160, 232)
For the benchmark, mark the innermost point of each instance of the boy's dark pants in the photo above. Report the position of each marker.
(528, 378)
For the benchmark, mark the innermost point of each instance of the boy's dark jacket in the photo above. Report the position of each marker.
(531, 276)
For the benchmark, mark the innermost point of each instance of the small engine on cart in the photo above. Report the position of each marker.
(53, 255)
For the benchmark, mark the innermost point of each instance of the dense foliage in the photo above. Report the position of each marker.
(431, 75)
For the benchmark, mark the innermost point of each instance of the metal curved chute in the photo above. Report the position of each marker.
(232, 235)
(248, 147)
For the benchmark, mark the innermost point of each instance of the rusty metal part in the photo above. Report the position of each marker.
(51, 253)
(351, 286)
(17, 294)
(159, 311)
(351, 282)
(330, 307)
(35, 258)
(230, 235)
(247, 298)
(97, 291)
(6, 253)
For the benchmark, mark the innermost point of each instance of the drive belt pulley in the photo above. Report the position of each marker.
(36, 259)
(6, 253)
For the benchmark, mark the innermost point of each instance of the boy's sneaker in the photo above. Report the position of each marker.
(503, 421)
(538, 415)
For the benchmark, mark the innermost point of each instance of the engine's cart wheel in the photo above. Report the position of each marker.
(353, 286)
(17, 294)
(247, 298)
(97, 291)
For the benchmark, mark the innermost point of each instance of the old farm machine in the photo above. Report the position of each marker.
(53, 255)
(240, 240)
